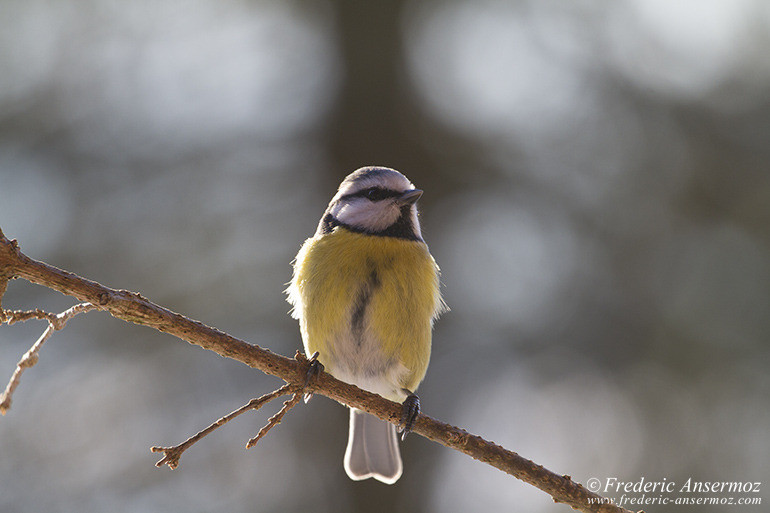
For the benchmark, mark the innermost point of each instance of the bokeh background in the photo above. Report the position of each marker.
(597, 194)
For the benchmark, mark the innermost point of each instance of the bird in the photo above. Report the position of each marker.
(366, 292)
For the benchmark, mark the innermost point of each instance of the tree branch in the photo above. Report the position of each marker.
(172, 454)
(132, 307)
(55, 323)
(276, 419)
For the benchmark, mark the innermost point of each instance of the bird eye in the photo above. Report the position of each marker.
(375, 194)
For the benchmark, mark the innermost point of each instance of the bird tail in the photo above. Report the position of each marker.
(372, 449)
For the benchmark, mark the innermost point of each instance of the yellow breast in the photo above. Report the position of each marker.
(400, 281)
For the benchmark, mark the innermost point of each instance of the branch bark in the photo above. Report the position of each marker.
(133, 307)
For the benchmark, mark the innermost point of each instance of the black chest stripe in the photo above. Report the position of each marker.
(362, 302)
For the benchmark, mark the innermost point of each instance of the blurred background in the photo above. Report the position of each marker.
(597, 195)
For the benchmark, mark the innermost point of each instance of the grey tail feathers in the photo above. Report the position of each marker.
(372, 449)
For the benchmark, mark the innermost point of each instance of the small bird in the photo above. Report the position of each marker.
(366, 292)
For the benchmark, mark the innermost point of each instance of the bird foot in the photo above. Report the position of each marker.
(313, 371)
(410, 409)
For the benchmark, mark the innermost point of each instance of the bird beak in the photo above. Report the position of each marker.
(410, 197)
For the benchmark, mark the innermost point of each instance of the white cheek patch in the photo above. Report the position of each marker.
(365, 214)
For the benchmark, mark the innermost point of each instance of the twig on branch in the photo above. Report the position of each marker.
(275, 419)
(132, 307)
(172, 454)
(14, 316)
(30, 358)
(3, 286)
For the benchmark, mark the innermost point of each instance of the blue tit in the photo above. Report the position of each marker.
(366, 292)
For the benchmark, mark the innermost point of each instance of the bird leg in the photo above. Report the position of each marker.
(315, 368)
(410, 408)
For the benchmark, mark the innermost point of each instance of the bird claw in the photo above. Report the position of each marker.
(315, 368)
(410, 409)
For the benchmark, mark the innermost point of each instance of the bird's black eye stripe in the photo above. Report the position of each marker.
(374, 194)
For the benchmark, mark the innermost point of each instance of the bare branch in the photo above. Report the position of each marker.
(275, 419)
(132, 307)
(14, 316)
(3, 286)
(172, 454)
(30, 358)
